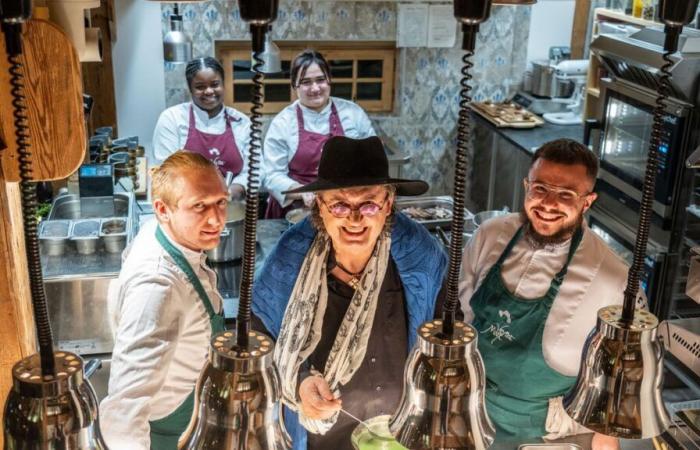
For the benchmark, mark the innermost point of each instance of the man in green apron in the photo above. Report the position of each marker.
(164, 308)
(532, 284)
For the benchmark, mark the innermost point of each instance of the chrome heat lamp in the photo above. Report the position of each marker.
(443, 401)
(618, 389)
(51, 405)
(237, 397)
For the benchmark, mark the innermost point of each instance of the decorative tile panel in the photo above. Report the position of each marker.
(424, 121)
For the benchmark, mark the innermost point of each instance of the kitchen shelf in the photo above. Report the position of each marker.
(595, 92)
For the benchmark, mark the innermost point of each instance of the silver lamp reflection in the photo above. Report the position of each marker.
(443, 402)
(618, 389)
(270, 56)
(237, 398)
(51, 411)
(177, 46)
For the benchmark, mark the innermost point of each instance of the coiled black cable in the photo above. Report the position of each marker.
(457, 226)
(648, 190)
(251, 207)
(29, 209)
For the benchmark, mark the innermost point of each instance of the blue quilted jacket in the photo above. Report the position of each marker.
(420, 261)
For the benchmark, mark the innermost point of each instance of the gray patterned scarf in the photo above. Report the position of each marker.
(301, 326)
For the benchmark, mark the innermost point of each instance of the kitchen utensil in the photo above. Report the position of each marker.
(113, 234)
(373, 434)
(230, 245)
(53, 236)
(86, 234)
(229, 178)
(542, 77)
(483, 216)
(56, 120)
(364, 424)
(552, 446)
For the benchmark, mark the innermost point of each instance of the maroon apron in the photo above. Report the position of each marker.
(221, 149)
(303, 168)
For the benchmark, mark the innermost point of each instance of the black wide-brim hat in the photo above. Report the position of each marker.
(347, 162)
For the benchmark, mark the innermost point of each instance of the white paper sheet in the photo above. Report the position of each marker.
(442, 26)
(412, 26)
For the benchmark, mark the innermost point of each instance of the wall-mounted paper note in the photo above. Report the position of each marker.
(442, 26)
(412, 26)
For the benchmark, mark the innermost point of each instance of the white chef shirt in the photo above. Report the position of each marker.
(170, 134)
(282, 138)
(161, 341)
(596, 277)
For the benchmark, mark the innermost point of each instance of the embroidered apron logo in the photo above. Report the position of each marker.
(216, 154)
(500, 331)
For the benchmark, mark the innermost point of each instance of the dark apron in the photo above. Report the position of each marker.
(221, 149)
(303, 168)
(519, 383)
(166, 431)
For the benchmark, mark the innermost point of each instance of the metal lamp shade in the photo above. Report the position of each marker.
(53, 412)
(237, 399)
(442, 406)
(177, 47)
(618, 390)
(271, 56)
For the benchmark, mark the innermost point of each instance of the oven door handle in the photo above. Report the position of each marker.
(588, 126)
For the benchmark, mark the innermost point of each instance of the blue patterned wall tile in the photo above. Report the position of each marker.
(424, 121)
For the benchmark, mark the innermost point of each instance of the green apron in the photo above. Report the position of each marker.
(519, 383)
(166, 431)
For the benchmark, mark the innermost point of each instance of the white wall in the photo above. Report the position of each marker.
(550, 25)
(137, 58)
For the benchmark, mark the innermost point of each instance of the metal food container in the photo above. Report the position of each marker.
(113, 232)
(53, 236)
(483, 216)
(86, 235)
(377, 437)
(230, 246)
(552, 446)
(430, 205)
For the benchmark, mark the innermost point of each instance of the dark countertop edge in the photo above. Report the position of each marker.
(520, 137)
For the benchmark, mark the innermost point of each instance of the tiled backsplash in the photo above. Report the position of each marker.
(424, 121)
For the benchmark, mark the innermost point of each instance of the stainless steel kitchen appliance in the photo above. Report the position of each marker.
(620, 136)
(625, 118)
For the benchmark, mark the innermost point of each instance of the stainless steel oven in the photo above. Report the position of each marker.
(625, 113)
(623, 146)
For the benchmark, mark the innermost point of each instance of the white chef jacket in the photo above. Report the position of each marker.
(282, 138)
(170, 134)
(161, 341)
(596, 277)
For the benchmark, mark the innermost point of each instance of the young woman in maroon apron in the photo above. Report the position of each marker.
(205, 79)
(310, 77)
(303, 168)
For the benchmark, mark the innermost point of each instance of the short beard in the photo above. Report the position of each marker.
(539, 241)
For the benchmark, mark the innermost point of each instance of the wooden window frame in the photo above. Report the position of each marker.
(229, 51)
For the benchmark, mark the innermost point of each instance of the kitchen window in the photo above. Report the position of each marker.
(361, 71)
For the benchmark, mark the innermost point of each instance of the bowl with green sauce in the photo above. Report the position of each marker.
(378, 439)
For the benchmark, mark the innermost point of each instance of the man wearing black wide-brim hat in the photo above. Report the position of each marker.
(343, 293)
